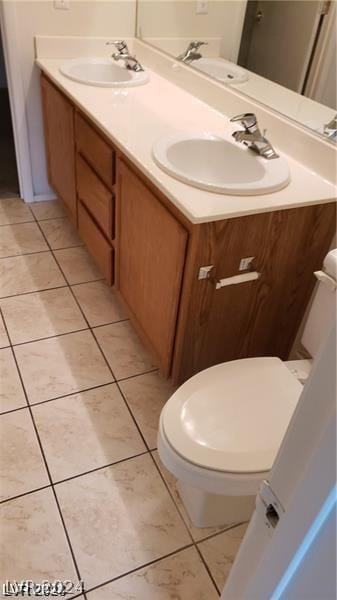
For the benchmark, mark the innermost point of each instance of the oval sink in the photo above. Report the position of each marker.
(221, 69)
(103, 72)
(212, 163)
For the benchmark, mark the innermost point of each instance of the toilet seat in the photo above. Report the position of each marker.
(209, 480)
(232, 417)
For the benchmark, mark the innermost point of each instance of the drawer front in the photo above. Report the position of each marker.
(96, 243)
(96, 197)
(95, 149)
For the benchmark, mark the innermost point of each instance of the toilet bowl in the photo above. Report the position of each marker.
(219, 433)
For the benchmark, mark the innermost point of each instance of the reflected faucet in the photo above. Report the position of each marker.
(123, 53)
(330, 129)
(191, 53)
(252, 137)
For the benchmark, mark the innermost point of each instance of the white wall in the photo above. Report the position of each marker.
(113, 18)
(324, 83)
(3, 81)
(179, 19)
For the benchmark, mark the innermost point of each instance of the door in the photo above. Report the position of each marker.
(278, 39)
(9, 184)
(60, 145)
(151, 257)
(294, 556)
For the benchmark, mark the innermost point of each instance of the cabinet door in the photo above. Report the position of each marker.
(59, 138)
(260, 317)
(152, 246)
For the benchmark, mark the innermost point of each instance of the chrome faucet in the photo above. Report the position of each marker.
(122, 53)
(252, 137)
(330, 129)
(120, 45)
(131, 62)
(191, 53)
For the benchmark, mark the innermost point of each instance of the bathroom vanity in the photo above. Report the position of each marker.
(166, 264)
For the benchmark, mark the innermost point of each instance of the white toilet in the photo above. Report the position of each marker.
(220, 431)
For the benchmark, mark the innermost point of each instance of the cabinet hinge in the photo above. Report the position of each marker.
(205, 272)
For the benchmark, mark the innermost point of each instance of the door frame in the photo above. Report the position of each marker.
(325, 36)
(11, 45)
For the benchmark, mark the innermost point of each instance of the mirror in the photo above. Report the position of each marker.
(279, 52)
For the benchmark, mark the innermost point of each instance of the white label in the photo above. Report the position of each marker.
(61, 4)
(202, 7)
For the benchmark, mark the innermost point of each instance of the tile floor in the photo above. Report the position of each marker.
(83, 494)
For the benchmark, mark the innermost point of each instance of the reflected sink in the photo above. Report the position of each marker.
(221, 69)
(103, 72)
(218, 165)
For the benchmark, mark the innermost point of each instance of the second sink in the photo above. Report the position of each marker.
(222, 70)
(215, 164)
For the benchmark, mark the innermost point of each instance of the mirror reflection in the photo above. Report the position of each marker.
(279, 52)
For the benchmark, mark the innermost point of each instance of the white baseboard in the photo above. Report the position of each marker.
(43, 197)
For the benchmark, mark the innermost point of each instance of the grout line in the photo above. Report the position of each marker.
(112, 464)
(25, 254)
(111, 323)
(102, 353)
(8, 412)
(38, 291)
(136, 569)
(64, 218)
(172, 497)
(49, 475)
(40, 251)
(19, 222)
(155, 370)
(95, 387)
(67, 247)
(120, 391)
(58, 335)
(19, 374)
(217, 533)
(194, 543)
(58, 264)
(207, 568)
(39, 489)
(49, 337)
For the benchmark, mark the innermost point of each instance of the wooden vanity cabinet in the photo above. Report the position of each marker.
(81, 169)
(187, 322)
(150, 263)
(58, 115)
(257, 318)
(145, 246)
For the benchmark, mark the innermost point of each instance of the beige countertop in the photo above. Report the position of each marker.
(134, 118)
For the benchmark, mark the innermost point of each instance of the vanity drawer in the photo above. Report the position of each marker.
(95, 149)
(96, 196)
(98, 246)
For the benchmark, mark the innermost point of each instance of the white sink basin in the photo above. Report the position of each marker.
(103, 72)
(219, 165)
(221, 69)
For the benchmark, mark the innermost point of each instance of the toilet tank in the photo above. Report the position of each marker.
(322, 312)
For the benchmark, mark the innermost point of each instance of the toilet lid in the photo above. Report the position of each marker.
(232, 417)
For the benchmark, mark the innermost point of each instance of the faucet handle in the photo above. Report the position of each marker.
(247, 120)
(195, 45)
(121, 46)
